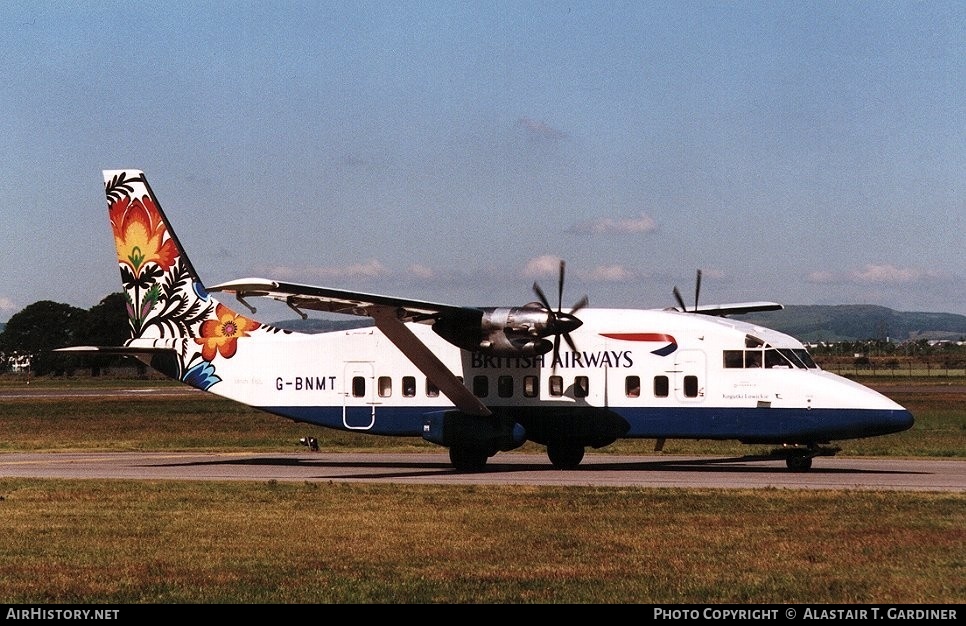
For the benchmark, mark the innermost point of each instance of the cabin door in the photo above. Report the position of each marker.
(359, 407)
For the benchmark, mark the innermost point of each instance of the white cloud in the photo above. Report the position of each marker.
(369, 269)
(608, 274)
(872, 274)
(542, 266)
(619, 226)
(885, 274)
(421, 271)
(7, 306)
(538, 128)
(822, 277)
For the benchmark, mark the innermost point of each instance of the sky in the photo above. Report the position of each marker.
(796, 152)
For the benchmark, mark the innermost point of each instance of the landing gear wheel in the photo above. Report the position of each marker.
(468, 458)
(565, 455)
(799, 463)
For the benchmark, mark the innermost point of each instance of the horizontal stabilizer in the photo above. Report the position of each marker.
(115, 350)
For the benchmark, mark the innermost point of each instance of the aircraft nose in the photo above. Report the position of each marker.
(896, 421)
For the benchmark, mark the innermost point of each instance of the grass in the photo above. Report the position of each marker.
(170, 542)
(167, 542)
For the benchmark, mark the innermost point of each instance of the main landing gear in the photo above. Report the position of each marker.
(565, 454)
(467, 458)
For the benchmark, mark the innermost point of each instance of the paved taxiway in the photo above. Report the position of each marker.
(503, 469)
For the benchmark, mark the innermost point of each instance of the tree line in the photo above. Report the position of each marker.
(44, 326)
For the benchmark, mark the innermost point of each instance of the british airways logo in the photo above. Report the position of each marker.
(671, 346)
(583, 359)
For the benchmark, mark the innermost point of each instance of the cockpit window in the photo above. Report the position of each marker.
(734, 359)
(775, 358)
(752, 358)
(769, 357)
(805, 358)
(753, 342)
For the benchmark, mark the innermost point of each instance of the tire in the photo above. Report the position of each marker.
(467, 458)
(799, 463)
(565, 455)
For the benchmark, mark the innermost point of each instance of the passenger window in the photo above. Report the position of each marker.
(556, 385)
(733, 359)
(504, 386)
(632, 386)
(432, 391)
(385, 386)
(581, 386)
(691, 386)
(358, 386)
(409, 386)
(531, 386)
(661, 386)
(481, 386)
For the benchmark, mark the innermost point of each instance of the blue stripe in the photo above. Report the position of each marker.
(764, 425)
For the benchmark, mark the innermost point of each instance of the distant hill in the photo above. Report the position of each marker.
(859, 322)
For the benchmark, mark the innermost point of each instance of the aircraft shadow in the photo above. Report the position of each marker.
(410, 469)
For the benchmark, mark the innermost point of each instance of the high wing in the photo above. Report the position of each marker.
(720, 310)
(299, 297)
(724, 310)
(390, 315)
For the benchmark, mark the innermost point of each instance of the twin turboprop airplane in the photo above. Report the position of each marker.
(480, 380)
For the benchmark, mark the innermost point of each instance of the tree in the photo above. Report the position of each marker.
(39, 329)
(107, 325)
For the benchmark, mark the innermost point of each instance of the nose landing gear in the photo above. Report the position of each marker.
(798, 458)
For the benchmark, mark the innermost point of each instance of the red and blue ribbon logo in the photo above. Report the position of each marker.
(671, 346)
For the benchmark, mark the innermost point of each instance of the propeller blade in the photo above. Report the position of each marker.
(542, 296)
(570, 342)
(556, 354)
(560, 287)
(677, 296)
(580, 304)
(697, 290)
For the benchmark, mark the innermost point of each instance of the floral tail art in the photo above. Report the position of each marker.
(167, 304)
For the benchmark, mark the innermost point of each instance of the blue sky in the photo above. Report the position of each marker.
(800, 152)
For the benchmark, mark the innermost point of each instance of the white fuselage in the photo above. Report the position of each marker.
(658, 373)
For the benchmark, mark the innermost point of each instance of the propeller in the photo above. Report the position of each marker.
(697, 292)
(560, 323)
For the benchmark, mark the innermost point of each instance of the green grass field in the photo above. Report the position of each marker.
(139, 542)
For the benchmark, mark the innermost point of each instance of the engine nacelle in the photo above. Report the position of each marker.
(499, 344)
(491, 434)
(504, 331)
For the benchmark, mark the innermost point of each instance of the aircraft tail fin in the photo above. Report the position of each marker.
(168, 307)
